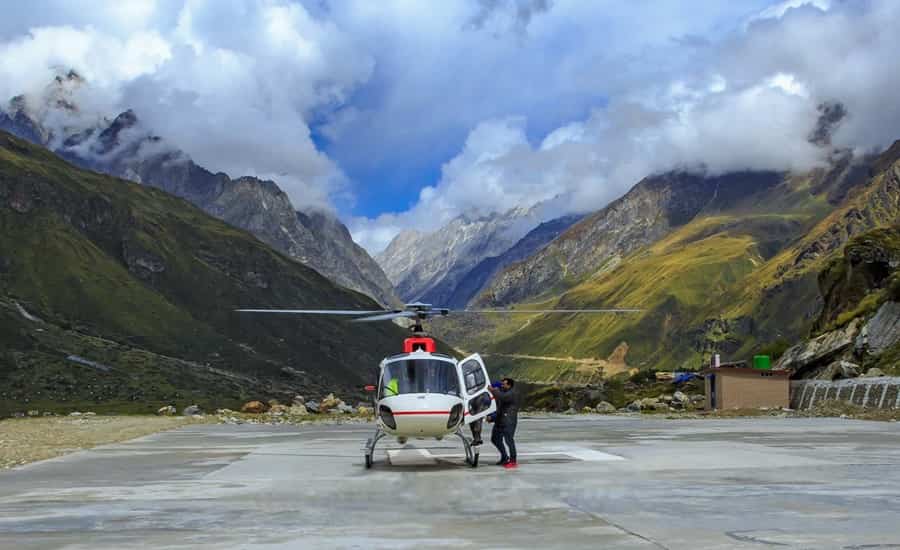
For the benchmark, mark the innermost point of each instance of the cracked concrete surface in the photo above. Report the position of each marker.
(585, 481)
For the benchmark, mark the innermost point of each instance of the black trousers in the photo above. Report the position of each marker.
(504, 434)
(476, 429)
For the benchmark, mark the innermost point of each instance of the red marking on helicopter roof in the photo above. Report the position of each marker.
(400, 413)
(424, 344)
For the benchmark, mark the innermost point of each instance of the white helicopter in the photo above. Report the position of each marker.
(422, 393)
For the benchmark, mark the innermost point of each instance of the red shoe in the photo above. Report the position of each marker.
(511, 465)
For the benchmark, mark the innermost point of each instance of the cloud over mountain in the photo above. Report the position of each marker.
(750, 100)
(406, 114)
(234, 84)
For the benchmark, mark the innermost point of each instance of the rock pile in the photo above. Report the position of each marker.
(254, 407)
(299, 409)
(192, 410)
(679, 401)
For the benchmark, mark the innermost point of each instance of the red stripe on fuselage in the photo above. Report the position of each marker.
(401, 413)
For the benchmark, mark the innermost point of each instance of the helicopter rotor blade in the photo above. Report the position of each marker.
(314, 311)
(385, 317)
(606, 310)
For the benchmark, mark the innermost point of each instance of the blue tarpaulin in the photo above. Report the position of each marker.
(682, 377)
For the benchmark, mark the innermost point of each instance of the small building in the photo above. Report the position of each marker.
(742, 387)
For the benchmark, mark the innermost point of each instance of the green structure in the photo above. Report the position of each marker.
(762, 362)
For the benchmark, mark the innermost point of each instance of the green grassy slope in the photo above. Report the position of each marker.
(740, 276)
(129, 275)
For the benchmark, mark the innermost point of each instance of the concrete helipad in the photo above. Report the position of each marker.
(586, 481)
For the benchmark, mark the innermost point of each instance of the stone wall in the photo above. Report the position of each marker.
(872, 393)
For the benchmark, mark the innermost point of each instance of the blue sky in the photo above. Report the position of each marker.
(403, 114)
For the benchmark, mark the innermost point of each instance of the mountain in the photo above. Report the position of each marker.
(124, 148)
(475, 280)
(858, 327)
(598, 243)
(429, 266)
(115, 295)
(727, 264)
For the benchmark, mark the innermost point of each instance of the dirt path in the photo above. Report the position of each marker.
(24, 440)
(590, 364)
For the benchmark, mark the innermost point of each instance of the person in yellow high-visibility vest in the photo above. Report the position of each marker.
(392, 387)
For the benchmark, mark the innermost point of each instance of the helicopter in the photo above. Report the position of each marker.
(424, 394)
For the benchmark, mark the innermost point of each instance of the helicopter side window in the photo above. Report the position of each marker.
(473, 375)
(419, 376)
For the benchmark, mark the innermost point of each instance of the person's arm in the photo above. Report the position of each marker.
(503, 397)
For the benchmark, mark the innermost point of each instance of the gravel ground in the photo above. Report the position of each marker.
(24, 440)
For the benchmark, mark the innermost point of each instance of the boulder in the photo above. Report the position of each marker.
(665, 398)
(587, 410)
(298, 409)
(873, 373)
(660, 407)
(90, 413)
(312, 406)
(278, 408)
(820, 349)
(73, 413)
(882, 331)
(570, 410)
(344, 408)
(34, 413)
(363, 410)
(329, 402)
(299, 400)
(192, 410)
(839, 370)
(680, 397)
(634, 406)
(605, 407)
(273, 403)
(168, 410)
(649, 403)
(254, 407)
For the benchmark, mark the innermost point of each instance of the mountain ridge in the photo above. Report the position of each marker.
(427, 266)
(123, 148)
(127, 276)
(732, 270)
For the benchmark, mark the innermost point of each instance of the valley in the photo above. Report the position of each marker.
(140, 286)
(737, 274)
(483, 273)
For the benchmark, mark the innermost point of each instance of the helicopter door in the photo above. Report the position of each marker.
(478, 400)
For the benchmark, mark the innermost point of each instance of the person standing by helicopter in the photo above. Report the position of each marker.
(484, 401)
(503, 434)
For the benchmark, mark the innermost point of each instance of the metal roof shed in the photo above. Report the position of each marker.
(746, 388)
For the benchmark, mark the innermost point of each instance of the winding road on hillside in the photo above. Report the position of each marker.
(591, 364)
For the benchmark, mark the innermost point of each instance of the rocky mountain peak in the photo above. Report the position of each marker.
(429, 265)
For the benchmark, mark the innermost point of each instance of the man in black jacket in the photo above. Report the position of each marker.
(505, 425)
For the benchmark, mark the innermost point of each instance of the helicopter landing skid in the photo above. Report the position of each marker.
(370, 446)
(471, 450)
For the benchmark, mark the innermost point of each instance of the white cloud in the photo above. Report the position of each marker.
(779, 9)
(233, 84)
(749, 103)
(518, 101)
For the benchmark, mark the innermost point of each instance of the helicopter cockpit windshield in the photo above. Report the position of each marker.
(419, 376)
